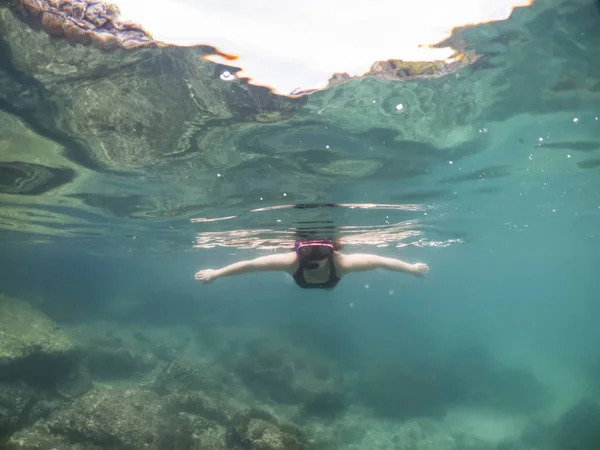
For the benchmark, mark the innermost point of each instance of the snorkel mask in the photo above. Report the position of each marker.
(311, 251)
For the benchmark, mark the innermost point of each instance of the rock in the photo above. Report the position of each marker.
(426, 434)
(515, 391)
(110, 353)
(513, 444)
(39, 437)
(15, 403)
(116, 418)
(578, 428)
(77, 383)
(285, 374)
(32, 347)
(26, 331)
(325, 405)
(254, 429)
(21, 405)
(188, 388)
(183, 375)
(207, 405)
(189, 432)
(113, 363)
(84, 22)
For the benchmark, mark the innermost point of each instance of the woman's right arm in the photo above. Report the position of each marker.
(285, 262)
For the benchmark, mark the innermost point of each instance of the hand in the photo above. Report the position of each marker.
(206, 276)
(420, 269)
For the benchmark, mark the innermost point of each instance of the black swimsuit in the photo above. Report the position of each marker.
(330, 283)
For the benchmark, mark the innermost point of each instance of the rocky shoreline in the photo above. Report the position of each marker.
(84, 22)
(97, 23)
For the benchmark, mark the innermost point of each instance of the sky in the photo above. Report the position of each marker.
(292, 45)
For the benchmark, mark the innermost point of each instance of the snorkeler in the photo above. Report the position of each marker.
(314, 264)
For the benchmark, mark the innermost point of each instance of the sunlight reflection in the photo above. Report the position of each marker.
(399, 207)
(396, 235)
(293, 46)
(323, 220)
(399, 234)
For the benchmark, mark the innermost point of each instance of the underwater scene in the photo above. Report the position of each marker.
(198, 252)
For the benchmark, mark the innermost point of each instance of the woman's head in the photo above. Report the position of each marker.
(313, 253)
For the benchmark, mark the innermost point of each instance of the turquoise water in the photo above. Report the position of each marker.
(488, 175)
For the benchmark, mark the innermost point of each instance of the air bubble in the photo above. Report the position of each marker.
(227, 76)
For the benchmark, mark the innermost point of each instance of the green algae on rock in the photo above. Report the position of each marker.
(255, 429)
(26, 332)
(22, 405)
(110, 417)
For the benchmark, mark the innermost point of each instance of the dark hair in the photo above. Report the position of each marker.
(337, 245)
(318, 229)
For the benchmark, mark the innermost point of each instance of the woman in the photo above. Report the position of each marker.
(314, 264)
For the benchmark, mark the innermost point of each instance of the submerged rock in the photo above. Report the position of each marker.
(254, 429)
(188, 388)
(21, 405)
(32, 346)
(182, 375)
(26, 331)
(577, 429)
(109, 352)
(189, 432)
(325, 405)
(39, 437)
(286, 374)
(426, 434)
(77, 383)
(116, 418)
(209, 406)
(15, 404)
(113, 363)
(37, 360)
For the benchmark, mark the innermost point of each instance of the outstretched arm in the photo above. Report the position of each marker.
(283, 262)
(363, 262)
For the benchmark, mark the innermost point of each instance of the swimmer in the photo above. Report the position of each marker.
(314, 264)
